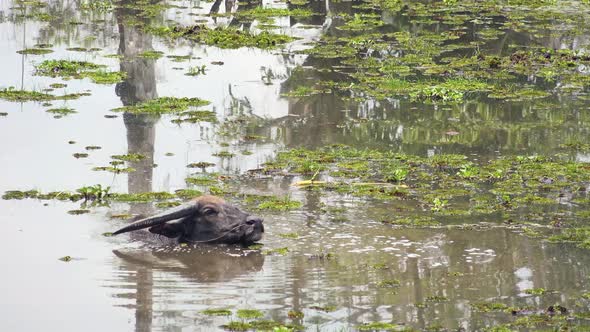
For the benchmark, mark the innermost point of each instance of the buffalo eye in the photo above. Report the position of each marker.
(210, 212)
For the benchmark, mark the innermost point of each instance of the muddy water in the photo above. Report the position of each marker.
(343, 269)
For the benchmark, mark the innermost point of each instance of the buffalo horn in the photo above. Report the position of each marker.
(177, 213)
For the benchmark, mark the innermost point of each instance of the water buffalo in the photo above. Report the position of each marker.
(207, 219)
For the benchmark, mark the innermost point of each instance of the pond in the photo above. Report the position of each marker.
(419, 165)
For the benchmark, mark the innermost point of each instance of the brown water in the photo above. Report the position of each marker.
(127, 283)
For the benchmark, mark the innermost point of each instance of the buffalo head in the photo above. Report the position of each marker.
(207, 219)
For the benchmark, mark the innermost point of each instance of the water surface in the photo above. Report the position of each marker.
(344, 268)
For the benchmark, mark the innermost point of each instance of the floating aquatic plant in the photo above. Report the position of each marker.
(78, 69)
(163, 105)
(222, 37)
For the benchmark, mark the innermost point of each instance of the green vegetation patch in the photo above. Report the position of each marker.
(78, 70)
(362, 22)
(277, 251)
(536, 291)
(249, 314)
(197, 70)
(179, 58)
(450, 91)
(35, 51)
(16, 194)
(223, 37)
(14, 95)
(62, 111)
(114, 169)
(538, 320)
(202, 180)
(142, 197)
(100, 195)
(580, 236)
(133, 157)
(196, 116)
(163, 105)
(390, 283)
(417, 221)
(217, 312)
(237, 326)
(151, 54)
(78, 212)
(451, 186)
(430, 64)
(187, 193)
(271, 325)
(64, 68)
(200, 164)
(99, 6)
(379, 326)
(266, 15)
(224, 154)
(96, 192)
(437, 299)
(489, 307)
(304, 91)
(11, 94)
(272, 203)
(105, 77)
(83, 49)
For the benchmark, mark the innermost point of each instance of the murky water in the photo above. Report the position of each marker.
(344, 268)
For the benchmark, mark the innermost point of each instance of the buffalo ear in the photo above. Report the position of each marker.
(169, 229)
